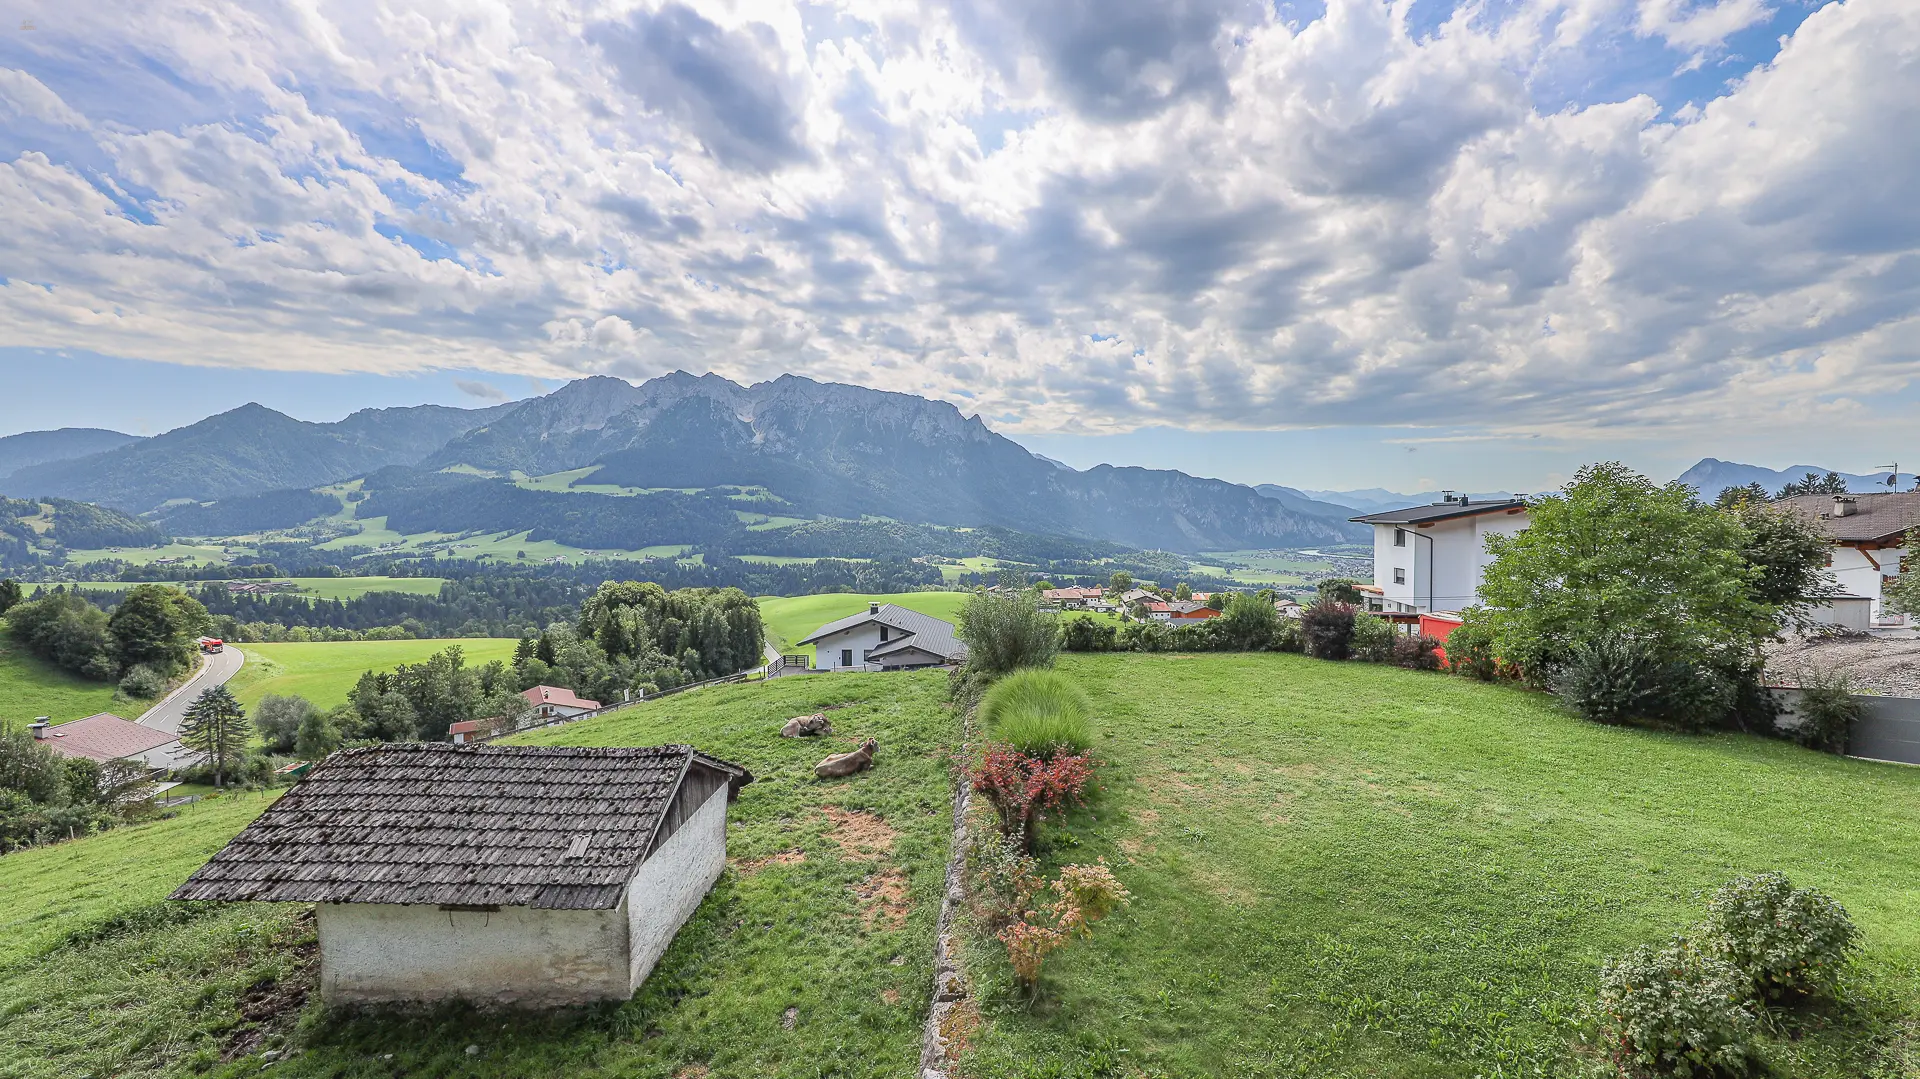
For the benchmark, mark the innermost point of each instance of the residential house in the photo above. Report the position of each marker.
(1432, 558)
(1869, 537)
(1180, 611)
(886, 637)
(107, 737)
(1072, 599)
(1137, 595)
(525, 875)
(556, 702)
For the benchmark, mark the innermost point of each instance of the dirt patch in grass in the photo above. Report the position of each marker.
(890, 997)
(861, 836)
(884, 899)
(692, 1071)
(273, 1007)
(747, 867)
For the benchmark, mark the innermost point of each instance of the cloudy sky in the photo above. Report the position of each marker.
(1339, 244)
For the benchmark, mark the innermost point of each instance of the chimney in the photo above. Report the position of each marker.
(873, 608)
(39, 728)
(1844, 506)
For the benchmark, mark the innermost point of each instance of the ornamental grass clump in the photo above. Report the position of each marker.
(1676, 1009)
(1790, 943)
(1039, 712)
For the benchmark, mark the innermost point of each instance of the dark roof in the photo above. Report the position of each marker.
(925, 632)
(438, 823)
(1874, 517)
(1440, 511)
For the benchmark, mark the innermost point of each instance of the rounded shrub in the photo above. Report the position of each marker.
(1676, 1010)
(1373, 639)
(1470, 651)
(1038, 712)
(1788, 942)
(143, 682)
(1328, 629)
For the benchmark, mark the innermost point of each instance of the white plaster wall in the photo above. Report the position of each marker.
(862, 639)
(515, 955)
(671, 883)
(1387, 558)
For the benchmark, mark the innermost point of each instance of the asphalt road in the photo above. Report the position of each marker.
(215, 671)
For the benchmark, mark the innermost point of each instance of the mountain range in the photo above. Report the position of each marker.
(1711, 476)
(825, 449)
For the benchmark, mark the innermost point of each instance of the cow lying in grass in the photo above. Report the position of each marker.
(806, 726)
(845, 764)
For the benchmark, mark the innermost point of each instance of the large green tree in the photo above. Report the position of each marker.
(1616, 553)
(216, 725)
(157, 625)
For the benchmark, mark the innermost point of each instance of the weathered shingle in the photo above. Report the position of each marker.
(435, 823)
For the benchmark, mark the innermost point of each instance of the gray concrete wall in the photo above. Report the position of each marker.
(1890, 730)
(515, 955)
(672, 882)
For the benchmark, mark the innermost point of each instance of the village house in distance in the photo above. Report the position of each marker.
(521, 875)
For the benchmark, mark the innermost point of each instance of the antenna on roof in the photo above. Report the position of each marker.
(1893, 474)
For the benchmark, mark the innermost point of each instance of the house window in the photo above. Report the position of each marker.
(1399, 537)
(863, 657)
(846, 657)
(883, 635)
(1399, 575)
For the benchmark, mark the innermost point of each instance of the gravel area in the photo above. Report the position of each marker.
(1884, 665)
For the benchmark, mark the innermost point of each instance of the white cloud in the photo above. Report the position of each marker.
(1088, 217)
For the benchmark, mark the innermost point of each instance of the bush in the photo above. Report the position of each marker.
(1828, 710)
(1022, 789)
(1040, 713)
(1247, 623)
(1620, 679)
(278, 718)
(1676, 1010)
(1146, 637)
(1083, 894)
(1008, 631)
(1084, 634)
(1373, 639)
(1416, 653)
(1328, 629)
(143, 682)
(1470, 651)
(1787, 942)
(1287, 636)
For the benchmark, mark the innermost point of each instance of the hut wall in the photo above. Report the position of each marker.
(671, 883)
(514, 955)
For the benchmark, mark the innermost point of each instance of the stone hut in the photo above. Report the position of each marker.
(504, 874)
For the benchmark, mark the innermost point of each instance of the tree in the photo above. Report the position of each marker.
(10, 595)
(1902, 594)
(157, 625)
(216, 726)
(1007, 631)
(1249, 622)
(1120, 583)
(64, 628)
(317, 735)
(1339, 590)
(1614, 553)
(1182, 591)
(1731, 496)
(1218, 600)
(1790, 552)
(279, 719)
(1811, 484)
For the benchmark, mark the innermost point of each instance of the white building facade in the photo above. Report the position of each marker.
(1433, 558)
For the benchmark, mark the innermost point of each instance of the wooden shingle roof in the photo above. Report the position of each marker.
(445, 824)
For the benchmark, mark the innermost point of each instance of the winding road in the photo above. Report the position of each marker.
(219, 667)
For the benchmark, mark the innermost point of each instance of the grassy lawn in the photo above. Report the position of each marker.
(1341, 870)
(313, 587)
(324, 672)
(199, 553)
(789, 618)
(785, 970)
(30, 686)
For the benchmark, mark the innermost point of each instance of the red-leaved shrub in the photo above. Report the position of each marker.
(1022, 788)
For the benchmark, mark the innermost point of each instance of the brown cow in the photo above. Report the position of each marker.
(805, 726)
(845, 764)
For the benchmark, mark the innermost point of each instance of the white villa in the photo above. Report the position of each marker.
(1869, 536)
(1431, 558)
(887, 637)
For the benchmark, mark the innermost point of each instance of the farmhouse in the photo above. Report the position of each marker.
(1072, 599)
(1433, 558)
(1869, 536)
(557, 702)
(504, 874)
(888, 637)
(107, 737)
